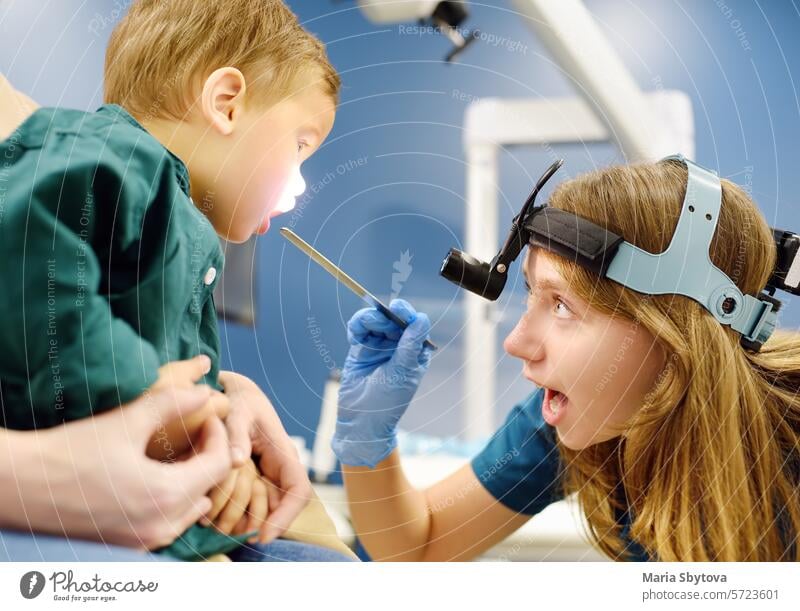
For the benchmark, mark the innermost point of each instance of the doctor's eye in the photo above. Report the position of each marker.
(301, 145)
(565, 311)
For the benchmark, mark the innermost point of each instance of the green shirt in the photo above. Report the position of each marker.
(109, 270)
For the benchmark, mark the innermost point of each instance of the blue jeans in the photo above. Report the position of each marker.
(33, 547)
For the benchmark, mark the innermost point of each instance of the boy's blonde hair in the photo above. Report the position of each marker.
(163, 50)
(710, 466)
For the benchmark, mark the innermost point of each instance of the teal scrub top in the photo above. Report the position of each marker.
(520, 466)
(108, 269)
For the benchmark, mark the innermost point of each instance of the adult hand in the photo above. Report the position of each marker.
(254, 427)
(91, 479)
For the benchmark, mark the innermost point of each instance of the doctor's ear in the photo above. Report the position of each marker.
(222, 99)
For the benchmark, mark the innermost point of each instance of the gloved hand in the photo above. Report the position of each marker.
(381, 374)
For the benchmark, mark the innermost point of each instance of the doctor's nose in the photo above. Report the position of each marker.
(526, 339)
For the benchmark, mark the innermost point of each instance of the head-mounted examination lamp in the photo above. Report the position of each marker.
(489, 279)
(684, 268)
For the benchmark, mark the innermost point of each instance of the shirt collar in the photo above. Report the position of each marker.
(181, 171)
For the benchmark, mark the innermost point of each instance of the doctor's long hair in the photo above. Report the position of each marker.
(710, 464)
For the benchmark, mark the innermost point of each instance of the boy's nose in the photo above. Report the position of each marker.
(298, 183)
(294, 189)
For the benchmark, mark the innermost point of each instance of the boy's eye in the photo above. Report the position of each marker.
(301, 145)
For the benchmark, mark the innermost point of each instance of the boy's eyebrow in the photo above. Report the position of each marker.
(311, 130)
(315, 132)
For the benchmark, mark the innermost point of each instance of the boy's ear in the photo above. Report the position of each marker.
(222, 99)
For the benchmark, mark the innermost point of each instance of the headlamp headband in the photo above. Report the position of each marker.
(684, 268)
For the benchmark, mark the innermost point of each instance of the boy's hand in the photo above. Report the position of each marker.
(176, 437)
(239, 504)
(254, 428)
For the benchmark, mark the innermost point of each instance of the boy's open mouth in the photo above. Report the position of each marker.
(265, 222)
(264, 226)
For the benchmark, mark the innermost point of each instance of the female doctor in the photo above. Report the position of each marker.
(686, 449)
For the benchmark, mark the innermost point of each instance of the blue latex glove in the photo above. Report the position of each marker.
(381, 374)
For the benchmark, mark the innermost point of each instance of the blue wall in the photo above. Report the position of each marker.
(391, 177)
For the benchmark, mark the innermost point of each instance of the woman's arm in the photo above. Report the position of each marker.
(455, 519)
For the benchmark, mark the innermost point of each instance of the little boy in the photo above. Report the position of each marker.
(109, 221)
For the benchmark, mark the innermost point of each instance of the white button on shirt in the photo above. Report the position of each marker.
(211, 274)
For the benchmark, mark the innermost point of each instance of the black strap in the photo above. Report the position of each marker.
(788, 245)
(573, 237)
